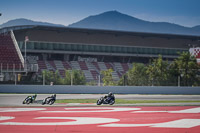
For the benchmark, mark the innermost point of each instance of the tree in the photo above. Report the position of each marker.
(67, 78)
(158, 71)
(92, 83)
(107, 78)
(51, 76)
(76, 75)
(137, 75)
(186, 67)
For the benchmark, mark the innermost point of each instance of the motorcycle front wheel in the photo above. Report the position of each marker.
(99, 102)
(28, 101)
(43, 102)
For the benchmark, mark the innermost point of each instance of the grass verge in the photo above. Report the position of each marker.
(120, 101)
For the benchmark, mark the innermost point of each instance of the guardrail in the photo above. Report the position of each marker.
(66, 89)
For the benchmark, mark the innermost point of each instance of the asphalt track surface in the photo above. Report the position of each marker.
(66, 118)
(16, 99)
(99, 119)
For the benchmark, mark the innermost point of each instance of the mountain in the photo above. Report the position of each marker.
(114, 20)
(196, 27)
(22, 21)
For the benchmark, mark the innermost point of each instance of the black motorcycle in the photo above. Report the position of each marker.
(106, 100)
(49, 100)
(29, 99)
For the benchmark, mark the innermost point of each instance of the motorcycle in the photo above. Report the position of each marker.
(106, 100)
(49, 100)
(29, 99)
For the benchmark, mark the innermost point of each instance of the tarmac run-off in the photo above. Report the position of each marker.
(100, 119)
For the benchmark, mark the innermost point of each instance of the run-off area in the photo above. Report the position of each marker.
(100, 119)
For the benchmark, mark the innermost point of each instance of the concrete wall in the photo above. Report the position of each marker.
(64, 89)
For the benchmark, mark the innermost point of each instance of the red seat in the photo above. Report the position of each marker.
(8, 53)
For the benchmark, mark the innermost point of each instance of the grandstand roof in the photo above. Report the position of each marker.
(94, 30)
(103, 37)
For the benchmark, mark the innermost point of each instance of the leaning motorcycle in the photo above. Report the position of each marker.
(49, 101)
(28, 100)
(106, 100)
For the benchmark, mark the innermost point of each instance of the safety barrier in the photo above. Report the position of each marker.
(65, 89)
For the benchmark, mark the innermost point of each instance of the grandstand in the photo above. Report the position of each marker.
(195, 51)
(88, 50)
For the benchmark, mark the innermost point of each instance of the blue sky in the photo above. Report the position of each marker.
(182, 12)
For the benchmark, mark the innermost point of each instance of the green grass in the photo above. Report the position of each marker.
(76, 101)
(120, 101)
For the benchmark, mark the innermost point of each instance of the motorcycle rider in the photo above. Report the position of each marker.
(109, 97)
(32, 98)
(51, 97)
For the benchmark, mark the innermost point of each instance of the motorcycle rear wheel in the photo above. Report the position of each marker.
(112, 102)
(51, 102)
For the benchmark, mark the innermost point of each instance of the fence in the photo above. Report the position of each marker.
(65, 89)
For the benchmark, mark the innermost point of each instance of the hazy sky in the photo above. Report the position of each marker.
(182, 12)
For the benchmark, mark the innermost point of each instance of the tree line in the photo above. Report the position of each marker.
(183, 71)
(71, 77)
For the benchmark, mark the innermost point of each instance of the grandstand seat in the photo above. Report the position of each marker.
(9, 58)
(94, 74)
(108, 65)
(58, 65)
(88, 75)
(119, 74)
(125, 66)
(102, 66)
(91, 73)
(66, 65)
(62, 72)
(41, 64)
(52, 64)
(115, 76)
(118, 66)
(83, 65)
(96, 65)
(75, 65)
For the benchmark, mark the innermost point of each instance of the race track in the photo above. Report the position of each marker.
(65, 118)
(170, 119)
(16, 99)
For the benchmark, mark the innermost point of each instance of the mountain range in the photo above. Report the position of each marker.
(114, 20)
(23, 21)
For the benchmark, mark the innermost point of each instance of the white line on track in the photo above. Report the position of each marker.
(192, 110)
(182, 123)
(6, 118)
(20, 109)
(93, 109)
(78, 121)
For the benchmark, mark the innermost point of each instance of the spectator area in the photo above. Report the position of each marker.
(9, 58)
(91, 70)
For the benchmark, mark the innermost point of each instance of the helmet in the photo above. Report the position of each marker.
(110, 94)
(54, 95)
(35, 95)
